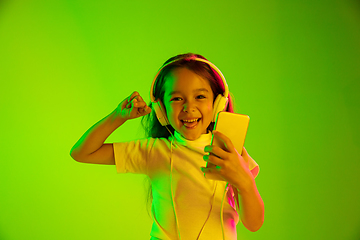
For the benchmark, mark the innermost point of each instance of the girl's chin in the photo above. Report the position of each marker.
(190, 134)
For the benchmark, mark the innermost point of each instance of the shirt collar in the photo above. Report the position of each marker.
(197, 145)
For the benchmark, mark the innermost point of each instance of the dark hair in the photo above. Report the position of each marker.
(151, 125)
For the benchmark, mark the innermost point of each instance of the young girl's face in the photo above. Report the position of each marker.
(188, 101)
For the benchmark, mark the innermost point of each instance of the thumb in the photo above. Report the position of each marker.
(245, 155)
(145, 111)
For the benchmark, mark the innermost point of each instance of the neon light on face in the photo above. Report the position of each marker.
(188, 102)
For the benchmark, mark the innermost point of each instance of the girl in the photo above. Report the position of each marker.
(186, 94)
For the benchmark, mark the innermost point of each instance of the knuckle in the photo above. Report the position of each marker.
(228, 141)
(221, 164)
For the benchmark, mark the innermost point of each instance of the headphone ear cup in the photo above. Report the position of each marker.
(220, 104)
(160, 113)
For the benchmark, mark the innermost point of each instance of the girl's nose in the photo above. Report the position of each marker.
(188, 107)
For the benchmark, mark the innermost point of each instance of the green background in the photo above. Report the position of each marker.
(293, 67)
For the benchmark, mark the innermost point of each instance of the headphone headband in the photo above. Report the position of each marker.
(225, 94)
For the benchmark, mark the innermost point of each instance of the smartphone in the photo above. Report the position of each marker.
(235, 127)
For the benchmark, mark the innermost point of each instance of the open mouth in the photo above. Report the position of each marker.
(191, 123)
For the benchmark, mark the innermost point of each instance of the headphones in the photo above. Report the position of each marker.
(220, 102)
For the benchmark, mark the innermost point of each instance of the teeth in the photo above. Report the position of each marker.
(191, 120)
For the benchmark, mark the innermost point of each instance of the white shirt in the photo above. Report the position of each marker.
(195, 207)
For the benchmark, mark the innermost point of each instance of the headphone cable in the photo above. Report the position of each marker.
(212, 202)
(171, 168)
(222, 213)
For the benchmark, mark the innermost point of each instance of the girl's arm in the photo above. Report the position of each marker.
(90, 148)
(252, 205)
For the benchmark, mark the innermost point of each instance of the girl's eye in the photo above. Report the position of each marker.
(200, 97)
(176, 99)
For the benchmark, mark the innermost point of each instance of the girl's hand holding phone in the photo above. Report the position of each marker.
(133, 107)
(231, 166)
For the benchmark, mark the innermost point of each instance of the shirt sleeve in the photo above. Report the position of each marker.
(254, 167)
(133, 156)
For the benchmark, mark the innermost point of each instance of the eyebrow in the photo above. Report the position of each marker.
(195, 90)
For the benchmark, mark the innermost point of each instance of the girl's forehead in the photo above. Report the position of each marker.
(185, 79)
